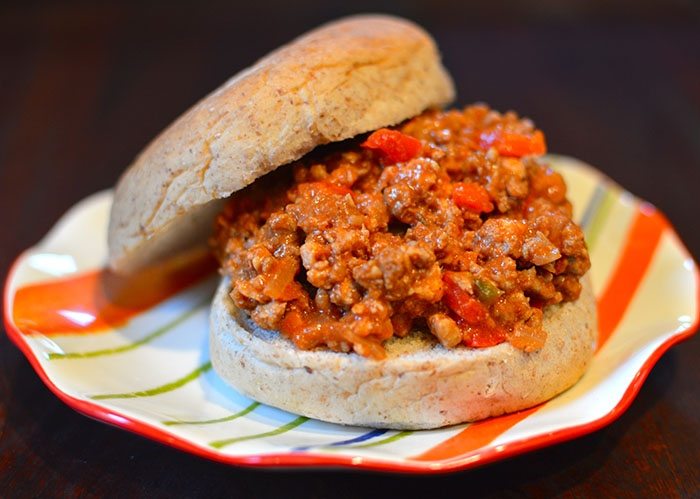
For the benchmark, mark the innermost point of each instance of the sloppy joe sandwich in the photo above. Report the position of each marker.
(384, 262)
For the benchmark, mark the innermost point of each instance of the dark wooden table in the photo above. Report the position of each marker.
(84, 87)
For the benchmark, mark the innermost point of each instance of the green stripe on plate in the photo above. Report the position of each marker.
(168, 387)
(225, 419)
(600, 215)
(131, 346)
(218, 444)
(592, 205)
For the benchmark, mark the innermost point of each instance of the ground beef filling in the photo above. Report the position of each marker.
(448, 223)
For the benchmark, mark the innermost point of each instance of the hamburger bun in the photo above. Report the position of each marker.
(419, 385)
(340, 80)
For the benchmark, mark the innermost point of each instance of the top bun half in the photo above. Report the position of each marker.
(333, 83)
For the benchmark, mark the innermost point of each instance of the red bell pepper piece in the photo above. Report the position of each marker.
(394, 146)
(481, 337)
(472, 196)
(462, 303)
(513, 144)
(473, 316)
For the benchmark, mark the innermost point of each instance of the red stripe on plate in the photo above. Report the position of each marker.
(640, 244)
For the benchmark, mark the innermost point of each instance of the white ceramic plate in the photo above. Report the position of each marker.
(146, 369)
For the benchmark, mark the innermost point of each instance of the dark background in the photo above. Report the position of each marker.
(84, 86)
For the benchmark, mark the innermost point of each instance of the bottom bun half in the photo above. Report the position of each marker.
(419, 385)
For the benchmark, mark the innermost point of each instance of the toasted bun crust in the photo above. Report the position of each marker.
(420, 385)
(343, 79)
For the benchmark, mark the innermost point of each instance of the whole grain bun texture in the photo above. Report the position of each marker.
(343, 79)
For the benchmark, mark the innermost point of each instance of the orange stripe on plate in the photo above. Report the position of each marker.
(642, 238)
(100, 300)
(474, 436)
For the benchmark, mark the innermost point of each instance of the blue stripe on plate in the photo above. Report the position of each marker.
(349, 441)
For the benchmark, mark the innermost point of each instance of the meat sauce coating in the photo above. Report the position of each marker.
(448, 223)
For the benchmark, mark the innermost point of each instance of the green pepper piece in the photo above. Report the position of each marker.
(486, 291)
